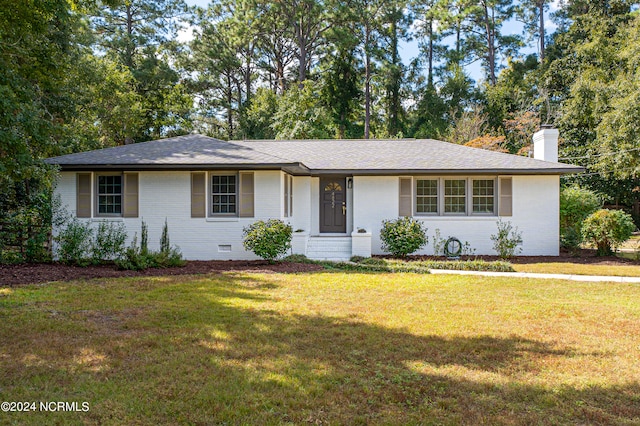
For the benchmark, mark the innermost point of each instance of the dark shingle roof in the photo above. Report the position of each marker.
(310, 156)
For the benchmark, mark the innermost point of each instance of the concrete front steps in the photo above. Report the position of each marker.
(329, 248)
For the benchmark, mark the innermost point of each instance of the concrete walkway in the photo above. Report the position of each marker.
(598, 278)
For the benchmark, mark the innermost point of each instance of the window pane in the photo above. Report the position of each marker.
(223, 194)
(427, 196)
(109, 194)
(455, 196)
(483, 195)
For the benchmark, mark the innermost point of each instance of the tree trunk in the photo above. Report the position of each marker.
(367, 81)
(491, 48)
(541, 11)
(230, 106)
(394, 88)
(430, 55)
(302, 54)
(128, 60)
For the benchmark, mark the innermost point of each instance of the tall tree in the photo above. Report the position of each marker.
(276, 49)
(587, 78)
(140, 34)
(310, 20)
(38, 50)
(370, 14)
(429, 17)
(486, 39)
(392, 67)
(217, 72)
(531, 13)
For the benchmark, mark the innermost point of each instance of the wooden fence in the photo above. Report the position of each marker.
(24, 242)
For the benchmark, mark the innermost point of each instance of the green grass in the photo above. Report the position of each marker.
(323, 348)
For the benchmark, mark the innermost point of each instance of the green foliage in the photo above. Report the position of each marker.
(389, 265)
(75, 243)
(165, 243)
(109, 242)
(301, 114)
(140, 257)
(402, 236)
(133, 259)
(144, 238)
(606, 229)
(268, 239)
(297, 258)
(79, 244)
(575, 205)
(341, 93)
(25, 230)
(507, 241)
(257, 116)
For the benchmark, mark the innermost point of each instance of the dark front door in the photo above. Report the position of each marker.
(333, 205)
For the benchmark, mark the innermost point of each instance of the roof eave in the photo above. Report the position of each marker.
(158, 167)
(372, 172)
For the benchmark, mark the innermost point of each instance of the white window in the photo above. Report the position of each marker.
(427, 196)
(109, 194)
(224, 194)
(484, 196)
(455, 196)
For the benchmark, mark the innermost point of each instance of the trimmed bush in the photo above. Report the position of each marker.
(507, 241)
(268, 239)
(403, 236)
(575, 205)
(606, 229)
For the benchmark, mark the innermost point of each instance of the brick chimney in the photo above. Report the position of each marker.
(545, 144)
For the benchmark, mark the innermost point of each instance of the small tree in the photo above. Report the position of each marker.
(607, 228)
(403, 236)
(268, 239)
(507, 241)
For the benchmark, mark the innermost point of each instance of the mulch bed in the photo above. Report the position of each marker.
(32, 273)
(13, 275)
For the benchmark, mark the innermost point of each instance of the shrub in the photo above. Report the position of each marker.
(402, 236)
(144, 238)
(607, 228)
(138, 258)
(575, 205)
(133, 259)
(269, 240)
(507, 241)
(165, 243)
(297, 258)
(109, 242)
(75, 243)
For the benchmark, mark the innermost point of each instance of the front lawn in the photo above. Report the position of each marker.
(322, 348)
(615, 270)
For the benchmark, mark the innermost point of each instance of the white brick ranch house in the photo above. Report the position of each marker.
(328, 190)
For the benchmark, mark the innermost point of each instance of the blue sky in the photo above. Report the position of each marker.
(410, 50)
